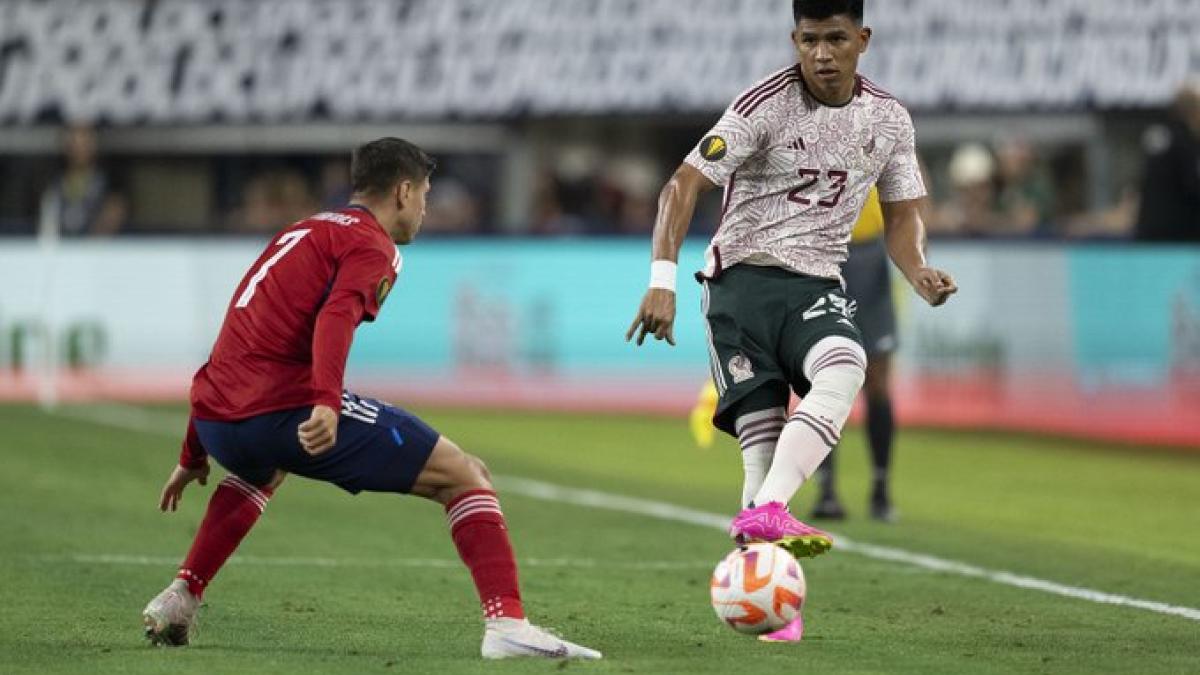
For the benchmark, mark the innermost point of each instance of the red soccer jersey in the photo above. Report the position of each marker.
(288, 329)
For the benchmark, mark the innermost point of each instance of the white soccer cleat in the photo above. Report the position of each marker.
(509, 638)
(170, 615)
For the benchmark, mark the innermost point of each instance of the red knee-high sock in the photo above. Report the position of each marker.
(234, 508)
(478, 529)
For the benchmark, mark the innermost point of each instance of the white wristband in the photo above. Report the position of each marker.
(662, 274)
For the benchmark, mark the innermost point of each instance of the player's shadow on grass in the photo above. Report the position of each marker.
(214, 649)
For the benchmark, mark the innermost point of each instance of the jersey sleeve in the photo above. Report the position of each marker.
(192, 455)
(726, 146)
(363, 278)
(901, 177)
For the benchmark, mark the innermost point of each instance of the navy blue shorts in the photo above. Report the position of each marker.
(380, 448)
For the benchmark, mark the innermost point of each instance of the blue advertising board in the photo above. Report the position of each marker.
(1136, 313)
(529, 306)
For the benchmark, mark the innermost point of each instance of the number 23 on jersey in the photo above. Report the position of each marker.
(810, 188)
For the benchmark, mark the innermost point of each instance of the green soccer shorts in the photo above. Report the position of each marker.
(761, 323)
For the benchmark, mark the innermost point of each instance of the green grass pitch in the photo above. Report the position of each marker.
(328, 583)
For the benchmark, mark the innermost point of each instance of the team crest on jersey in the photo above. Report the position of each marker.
(382, 290)
(740, 369)
(713, 148)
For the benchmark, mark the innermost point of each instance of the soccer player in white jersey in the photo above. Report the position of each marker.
(797, 154)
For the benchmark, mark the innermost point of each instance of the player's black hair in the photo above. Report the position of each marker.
(823, 9)
(377, 166)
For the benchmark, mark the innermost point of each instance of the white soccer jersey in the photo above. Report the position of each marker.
(797, 172)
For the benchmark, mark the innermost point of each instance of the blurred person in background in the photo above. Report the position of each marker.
(971, 208)
(869, 283)
(334, 187)
(274, 199)
(566, 197)
(632, 188)
(83, 200)
(1025, 198)
(550, 216)
(1112, 222)
(1170, 206)
(452, 209)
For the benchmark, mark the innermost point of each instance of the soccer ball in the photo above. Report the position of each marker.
(758, 589)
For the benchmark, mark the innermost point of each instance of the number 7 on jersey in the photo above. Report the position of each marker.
(288, 242)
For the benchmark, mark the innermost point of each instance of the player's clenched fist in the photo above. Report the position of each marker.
(934, 285)
(655, 317)
(319, 433)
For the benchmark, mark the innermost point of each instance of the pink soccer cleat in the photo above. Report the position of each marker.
(793, 632)
(772, 523)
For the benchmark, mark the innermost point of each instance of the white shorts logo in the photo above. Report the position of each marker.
(832, 303)
(740, 369)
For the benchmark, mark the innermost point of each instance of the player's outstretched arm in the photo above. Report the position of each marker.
(193, 465)
(904, 231)
(676, 206)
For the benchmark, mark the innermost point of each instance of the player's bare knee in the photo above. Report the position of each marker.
(469, 474)
(456, 473)
(481, 468)
(466, 471)
(477, 475)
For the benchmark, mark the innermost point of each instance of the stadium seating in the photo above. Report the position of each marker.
(241, 60)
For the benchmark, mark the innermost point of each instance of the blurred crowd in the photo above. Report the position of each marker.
(1013, 189)
(280, 194)
(1006, 187)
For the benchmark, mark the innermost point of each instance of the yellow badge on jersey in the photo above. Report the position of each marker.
(382, 290)
(713, 148)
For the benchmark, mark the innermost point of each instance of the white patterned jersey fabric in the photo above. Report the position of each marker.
(797, 173)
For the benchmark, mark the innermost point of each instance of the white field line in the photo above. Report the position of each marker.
(145, 421)
(664, 511)
(426, 563)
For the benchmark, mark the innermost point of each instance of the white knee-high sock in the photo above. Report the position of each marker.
(836, 367)
(757, 433)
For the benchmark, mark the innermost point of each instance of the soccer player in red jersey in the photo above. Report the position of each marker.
(269, 402)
